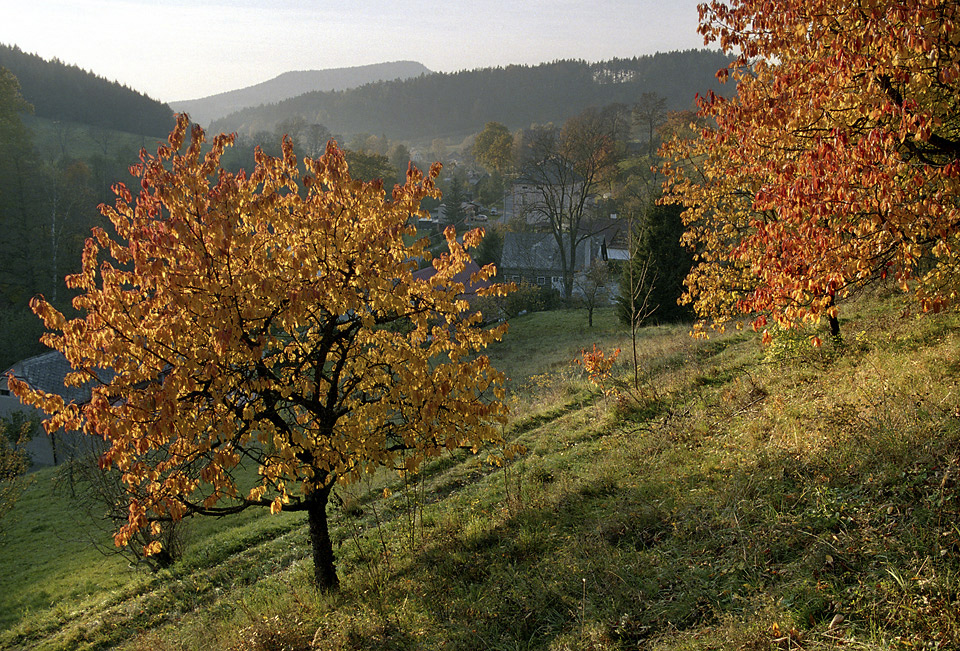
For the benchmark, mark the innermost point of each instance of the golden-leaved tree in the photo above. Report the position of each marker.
(838, 161)
(267, 322)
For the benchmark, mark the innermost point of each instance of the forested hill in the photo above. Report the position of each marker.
(460, 103)
(291, 84)
(59, 91)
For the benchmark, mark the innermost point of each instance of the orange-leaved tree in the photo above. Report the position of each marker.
(838, 161)
(268, 327)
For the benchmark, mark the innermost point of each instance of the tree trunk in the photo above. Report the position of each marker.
(324, 570)
(834, 321)
(834, 327)
(53, 236)
(570, 269)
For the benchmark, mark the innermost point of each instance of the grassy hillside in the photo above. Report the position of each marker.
(740, 498)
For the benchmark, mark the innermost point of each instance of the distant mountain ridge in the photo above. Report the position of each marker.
(64, 92)
(455, 105)
(291, 84)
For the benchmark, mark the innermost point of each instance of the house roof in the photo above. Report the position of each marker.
(470, 288)
(46, 372)
(615, 232)
(538, 251)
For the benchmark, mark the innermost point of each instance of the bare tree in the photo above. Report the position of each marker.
(564, 169)
(640, 286)
(594, 286)
(639, 182)
(68, 193)
(64, 132)
(102, 501)
(103, 137)
(648, 114)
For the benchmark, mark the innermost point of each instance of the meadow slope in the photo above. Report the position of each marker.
(738, 497)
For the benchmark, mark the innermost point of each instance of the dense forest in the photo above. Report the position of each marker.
(58, 158)
(455, 104)
(59, 91)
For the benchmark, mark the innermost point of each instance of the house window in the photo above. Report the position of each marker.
(541, 281)
(515, 278)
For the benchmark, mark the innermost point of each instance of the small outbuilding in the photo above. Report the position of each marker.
(45, 372)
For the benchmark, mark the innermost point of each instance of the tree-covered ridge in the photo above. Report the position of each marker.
(60, 91)
(451, 104)
(293, 83)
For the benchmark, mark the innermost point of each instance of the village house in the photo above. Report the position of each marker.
(470, 288)
(45, 372)
(539, 192)
(534, 258)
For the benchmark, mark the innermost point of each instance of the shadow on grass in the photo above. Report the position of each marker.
(622, 559)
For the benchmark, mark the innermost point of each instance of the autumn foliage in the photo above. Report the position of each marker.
(268, 323)
(598, 365)
(837, 163)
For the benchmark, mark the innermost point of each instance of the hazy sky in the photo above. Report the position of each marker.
(184, 49)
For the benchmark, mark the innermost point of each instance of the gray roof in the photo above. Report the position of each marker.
(537, 251)
(615, 232)
(469, 287)
(46, 373)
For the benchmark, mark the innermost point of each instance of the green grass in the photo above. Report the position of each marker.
(733, 498)
(46, 560)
